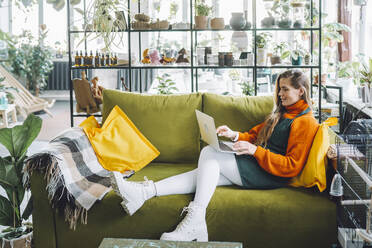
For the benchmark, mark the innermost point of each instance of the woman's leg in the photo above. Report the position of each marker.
(186, 183)
(212, 167)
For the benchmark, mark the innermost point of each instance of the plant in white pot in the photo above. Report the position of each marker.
(262, 40)
(16, 140)
(202, 10)
(348, 77)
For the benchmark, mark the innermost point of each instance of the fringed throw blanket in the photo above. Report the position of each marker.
(75, 178)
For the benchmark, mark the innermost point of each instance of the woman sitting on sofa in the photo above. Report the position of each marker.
(267, 157)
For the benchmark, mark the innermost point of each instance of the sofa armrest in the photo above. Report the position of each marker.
(44, 234)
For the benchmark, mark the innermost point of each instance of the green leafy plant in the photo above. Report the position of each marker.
(202, 9)
(366, 73)
(32, 60)
(262, 39)
(16, 140)
(247, 87)
(281, 50)
(99, 16)
(349, 69)
(166, 85)
(173, 10)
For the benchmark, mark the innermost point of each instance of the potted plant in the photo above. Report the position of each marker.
(32, 60)
(366, 81)
(281, 10)
(16, 140)
(348, 76)
(100, 15)
(297, 54)
(202, 10)
(262, 40)
(166, 85)
(279, 53)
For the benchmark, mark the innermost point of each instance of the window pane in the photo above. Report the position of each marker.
(25, 19)
(56, 22)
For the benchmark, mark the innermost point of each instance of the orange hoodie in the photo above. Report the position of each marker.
(303, 130)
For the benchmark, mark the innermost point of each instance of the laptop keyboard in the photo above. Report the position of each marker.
(224, 147)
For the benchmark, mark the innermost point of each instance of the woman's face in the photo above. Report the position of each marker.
(287, 93)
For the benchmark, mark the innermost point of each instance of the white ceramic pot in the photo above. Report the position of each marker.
(22, 242)
(261, 56)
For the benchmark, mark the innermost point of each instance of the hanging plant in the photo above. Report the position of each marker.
(106, 17)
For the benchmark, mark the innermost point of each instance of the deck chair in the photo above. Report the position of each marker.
(85, 101)
(25, 102)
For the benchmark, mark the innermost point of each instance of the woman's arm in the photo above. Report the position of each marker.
(301, 137)
(251, 135)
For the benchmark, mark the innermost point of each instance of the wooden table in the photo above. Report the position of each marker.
(4, 113)
(134, 243)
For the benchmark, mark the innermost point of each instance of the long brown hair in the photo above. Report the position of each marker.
(298, 80)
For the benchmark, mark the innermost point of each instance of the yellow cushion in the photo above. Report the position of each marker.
(314, 171)
(119, 145)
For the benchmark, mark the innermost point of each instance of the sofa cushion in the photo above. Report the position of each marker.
(239, 113)
(167, 121)
(286, 217)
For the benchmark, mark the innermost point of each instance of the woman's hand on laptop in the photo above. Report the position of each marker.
(225, 131)
(244, 147)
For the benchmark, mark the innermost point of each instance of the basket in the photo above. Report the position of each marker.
(141, 18)
(159, 25)
(140, 25)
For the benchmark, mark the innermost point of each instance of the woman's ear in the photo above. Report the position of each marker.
(302, 92)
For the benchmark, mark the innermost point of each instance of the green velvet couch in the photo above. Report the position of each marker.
(286, 217)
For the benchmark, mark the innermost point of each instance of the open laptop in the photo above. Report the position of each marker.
(209, 135)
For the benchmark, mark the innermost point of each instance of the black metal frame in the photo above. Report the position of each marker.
(193, 67)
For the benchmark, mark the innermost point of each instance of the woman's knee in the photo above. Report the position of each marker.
(207, 151)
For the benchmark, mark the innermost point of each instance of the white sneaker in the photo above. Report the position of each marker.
(192, 227)
(134, 194)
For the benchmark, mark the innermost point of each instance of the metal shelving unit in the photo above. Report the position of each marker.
(194, 42)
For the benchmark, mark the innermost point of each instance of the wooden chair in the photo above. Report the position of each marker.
(85, 101)
(25, 102)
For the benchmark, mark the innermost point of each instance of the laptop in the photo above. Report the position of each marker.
(209, 135)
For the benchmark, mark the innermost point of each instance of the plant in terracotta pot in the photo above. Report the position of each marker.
(202, 10)
(279, 53)
(16, 140)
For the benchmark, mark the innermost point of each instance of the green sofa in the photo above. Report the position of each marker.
(286, 217)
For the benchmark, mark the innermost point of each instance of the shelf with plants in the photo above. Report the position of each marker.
(311, 27)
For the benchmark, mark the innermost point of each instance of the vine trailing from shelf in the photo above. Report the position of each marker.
(99, 18)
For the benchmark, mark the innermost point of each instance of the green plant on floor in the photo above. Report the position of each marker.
(32, 60)
(247, 87)
(202, 9)
(16, 140)
(166, 85)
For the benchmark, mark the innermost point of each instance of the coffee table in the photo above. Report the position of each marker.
(144, 243)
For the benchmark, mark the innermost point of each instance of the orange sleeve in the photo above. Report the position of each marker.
(251, 135)
(300, 139)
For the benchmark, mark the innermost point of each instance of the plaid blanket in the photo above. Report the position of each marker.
(75, 178)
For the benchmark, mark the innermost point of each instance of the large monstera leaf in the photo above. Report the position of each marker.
(19, 138)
